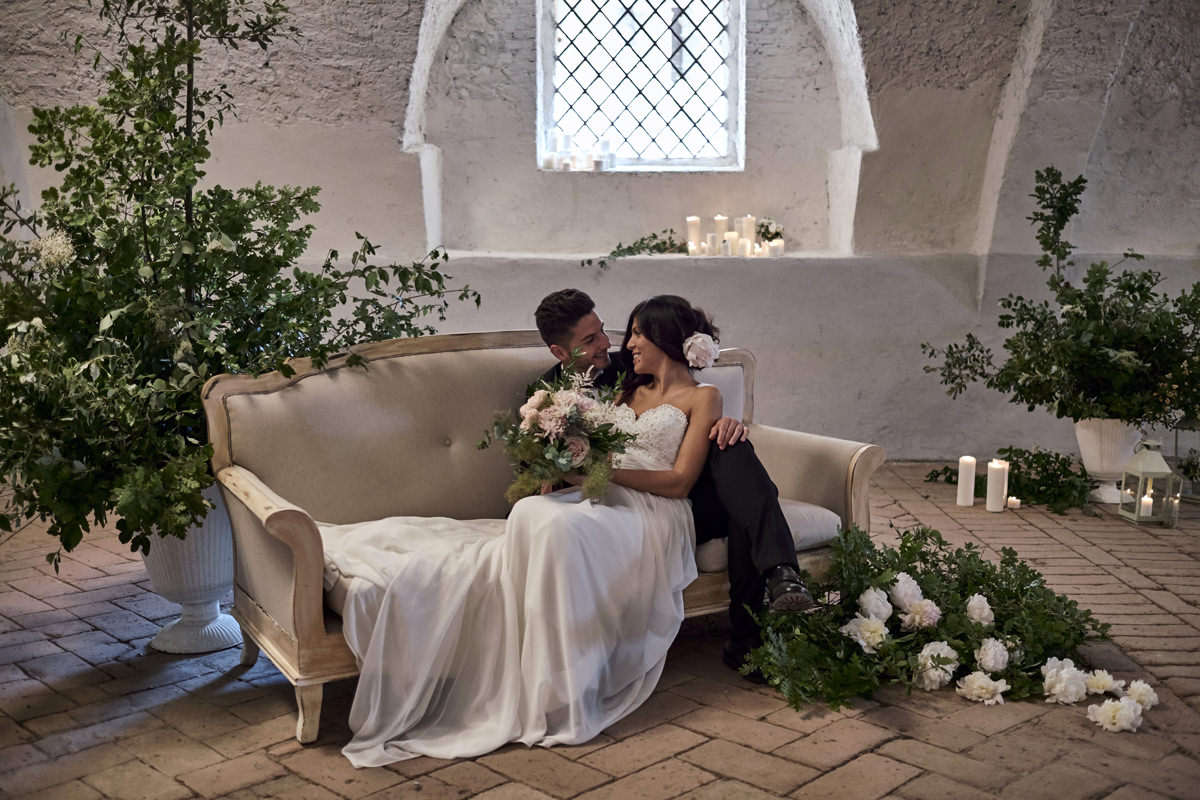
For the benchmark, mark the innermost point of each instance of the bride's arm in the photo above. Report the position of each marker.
(689, 463)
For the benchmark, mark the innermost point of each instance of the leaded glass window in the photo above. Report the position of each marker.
(641, 84)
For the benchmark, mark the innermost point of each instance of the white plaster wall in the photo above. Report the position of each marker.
(481, 113)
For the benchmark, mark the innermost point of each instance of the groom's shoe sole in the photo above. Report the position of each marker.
(793, 601)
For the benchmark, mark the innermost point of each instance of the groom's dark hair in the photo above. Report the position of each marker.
(558, 313)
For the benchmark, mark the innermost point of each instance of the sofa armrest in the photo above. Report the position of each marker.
(288, 584)
(833, 473)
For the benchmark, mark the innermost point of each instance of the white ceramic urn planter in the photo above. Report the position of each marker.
(1105, 447)
(196, 572)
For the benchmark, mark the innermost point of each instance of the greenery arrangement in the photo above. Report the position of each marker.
(1111, 347)
(134, 283)
(1037, 476)
(922, 614)
(651, 243)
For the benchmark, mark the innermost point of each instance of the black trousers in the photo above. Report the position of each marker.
(735, 497)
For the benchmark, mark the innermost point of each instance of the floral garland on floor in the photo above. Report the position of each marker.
(921, 614)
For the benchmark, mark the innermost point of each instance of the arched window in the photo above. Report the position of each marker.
(641, 85)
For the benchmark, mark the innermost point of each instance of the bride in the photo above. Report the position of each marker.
(552, 625)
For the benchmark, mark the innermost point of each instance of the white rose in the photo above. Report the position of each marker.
(874, 603)
(931, 676)
(979, 687)
(701, 351)
(867, 631)
(979, 610)
(1063, 682)
(1142, 694)
(922, 614)
(1100, 681)
(991, 656)
(1117, 715)
(905, 592)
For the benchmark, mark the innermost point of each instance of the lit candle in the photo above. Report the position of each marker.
(777, 247)
(997, 484)
(720, 224)
(693, 229)
(749, 227)
(1014, 502)
(704, 248)
(714, 244)
(758, 250)
(731, 239)
(966, 481)
(693, 249)
(744, 246)
(1147, 506)
(725, 249)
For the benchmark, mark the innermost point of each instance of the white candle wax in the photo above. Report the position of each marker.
(597, 163)
(704, 248)
(1147, 506)
(777, 247)
(714, 244)
(725, 248)
(731, 240)
(749, 227)
(693, 249)
(997, 483)
(966, 481)
(693, 229)
(565, 142)
(744, 246)
(758, 250)
(1013, 502)
(720, 224)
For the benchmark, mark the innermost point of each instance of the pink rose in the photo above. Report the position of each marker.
(579, 448)
(700, 350)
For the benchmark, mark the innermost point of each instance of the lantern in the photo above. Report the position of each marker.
(1149, 490)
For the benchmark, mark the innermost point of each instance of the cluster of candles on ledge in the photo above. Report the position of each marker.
(563, 155)
(997, 484)
(741, 240)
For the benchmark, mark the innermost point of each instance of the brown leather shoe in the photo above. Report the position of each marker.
(786, 591)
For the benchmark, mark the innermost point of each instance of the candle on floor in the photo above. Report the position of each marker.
(1013, 502)
(693, 229)
(720, 224)
(966, 481)
(997, 484)
(1147, 506)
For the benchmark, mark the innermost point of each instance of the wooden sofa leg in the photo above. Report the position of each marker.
(249, 650)
(308, 701)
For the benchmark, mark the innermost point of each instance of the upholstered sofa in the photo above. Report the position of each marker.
(399, 436)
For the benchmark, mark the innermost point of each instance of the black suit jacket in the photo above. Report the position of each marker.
(607, 378)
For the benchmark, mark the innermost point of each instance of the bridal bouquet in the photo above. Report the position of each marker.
(565, 427)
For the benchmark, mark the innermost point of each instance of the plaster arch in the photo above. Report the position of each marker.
(837, 24)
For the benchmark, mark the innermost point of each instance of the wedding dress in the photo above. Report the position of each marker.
(543, 629)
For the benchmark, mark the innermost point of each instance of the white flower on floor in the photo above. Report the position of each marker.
(905, 592)
(874, 603)
(1142, 694)
(981, 688)
(1117, 715)
(992, 656)
(979, 610)
(1100, 681)
(867, 631)
(1064, 682)
(931, 676)
(922, 614)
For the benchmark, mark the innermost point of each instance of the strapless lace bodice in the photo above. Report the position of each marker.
(659, 433)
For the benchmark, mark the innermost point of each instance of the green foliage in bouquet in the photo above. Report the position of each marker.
(135, 282)
(810, 658)
(1037, 476)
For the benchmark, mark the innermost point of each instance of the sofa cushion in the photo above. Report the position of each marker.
(811, 525)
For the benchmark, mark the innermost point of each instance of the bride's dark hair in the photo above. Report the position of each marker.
(667, 320)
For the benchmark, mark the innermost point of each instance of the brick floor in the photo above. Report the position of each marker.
(87, 710)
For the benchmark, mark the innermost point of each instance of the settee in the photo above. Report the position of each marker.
(398, 435)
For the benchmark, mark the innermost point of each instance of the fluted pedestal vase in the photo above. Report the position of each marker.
(1105, 447)
(196, 572)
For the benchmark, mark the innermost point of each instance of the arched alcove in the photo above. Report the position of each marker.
(471, 117)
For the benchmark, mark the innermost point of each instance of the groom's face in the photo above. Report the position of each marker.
(589, 338)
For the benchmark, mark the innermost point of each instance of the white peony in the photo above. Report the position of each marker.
(992, 656)
(1142, 694)
(922, 614)
(979, 610)
(979, 687)
(867, 631)
(700, 350)
(874, 603)
(931, 676)
(1100, 681)
(905, 592)
(1063, 681)
(1117, 715)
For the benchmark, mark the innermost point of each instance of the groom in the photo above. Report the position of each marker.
(733, 497)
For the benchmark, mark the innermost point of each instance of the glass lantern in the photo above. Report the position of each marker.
(1149, 490)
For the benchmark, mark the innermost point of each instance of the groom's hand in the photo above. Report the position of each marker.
(727, 431)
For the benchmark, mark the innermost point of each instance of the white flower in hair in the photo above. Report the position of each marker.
(701, 351)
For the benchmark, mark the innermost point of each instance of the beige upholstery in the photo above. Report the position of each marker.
(399, 437)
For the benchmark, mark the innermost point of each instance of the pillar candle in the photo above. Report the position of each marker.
(997, 483)
(1147, 506)
(693, 249)
(693, 229)
(776, 247)
(598, 163)
(731, 238)
(714, 244)
(966, 481)
(1013, 502)
(726, 250)
(744, 246)
(749, 227)
(704, 248)
(720, 224)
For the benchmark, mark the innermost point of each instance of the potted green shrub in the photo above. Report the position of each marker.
(135, 281)
(1109, 352)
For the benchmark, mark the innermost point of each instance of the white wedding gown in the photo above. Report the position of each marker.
(543, 629)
